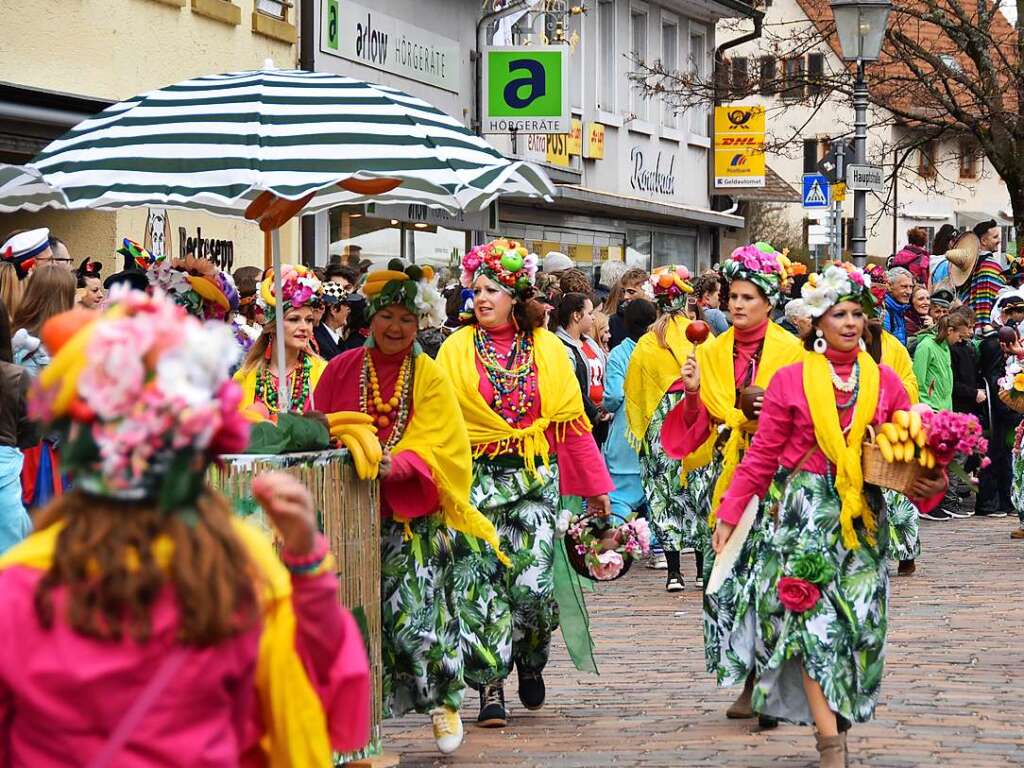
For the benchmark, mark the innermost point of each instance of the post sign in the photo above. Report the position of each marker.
(576, 138)
(526, 90)
(739, 146)
(558, 149)
(593, 146)
(865, 178)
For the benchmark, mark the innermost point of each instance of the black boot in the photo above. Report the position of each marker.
(531, 688)
(700, 568)
(492, 706)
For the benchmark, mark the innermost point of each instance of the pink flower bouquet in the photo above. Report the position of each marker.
(600, 550)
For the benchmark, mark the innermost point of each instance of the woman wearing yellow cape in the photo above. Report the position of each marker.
(709, 432)
(392, 387)
(820, 575)
(143, 624)
(534, 459)
(651, 390)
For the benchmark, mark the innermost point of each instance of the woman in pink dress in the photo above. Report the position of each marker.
(143, 624)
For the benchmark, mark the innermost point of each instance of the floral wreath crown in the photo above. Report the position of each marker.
(196, 284)
(411, 287)
(506, 262)
(759, 264)
(670, 286)
(838, 283)
(300, 286)
(143, 397)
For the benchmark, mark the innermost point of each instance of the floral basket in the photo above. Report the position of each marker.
(899, 476)
(600, 549)
(1014, 403)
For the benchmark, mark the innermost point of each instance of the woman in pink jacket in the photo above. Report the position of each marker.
(143, 624)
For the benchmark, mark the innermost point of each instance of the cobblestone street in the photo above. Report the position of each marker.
(951, 697)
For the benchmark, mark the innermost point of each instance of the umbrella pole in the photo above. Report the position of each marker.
(267, 251)
(283, 393)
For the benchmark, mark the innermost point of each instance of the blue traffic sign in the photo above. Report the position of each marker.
(816, 193)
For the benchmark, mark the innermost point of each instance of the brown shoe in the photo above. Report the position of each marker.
(1017, 534)
(832, 750)
(907, 568)
(742, 708)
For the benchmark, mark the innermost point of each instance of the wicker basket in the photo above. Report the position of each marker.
(899, 476)
(1013, 403)
(579, 562)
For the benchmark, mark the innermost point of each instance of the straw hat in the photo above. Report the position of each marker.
(963, 257)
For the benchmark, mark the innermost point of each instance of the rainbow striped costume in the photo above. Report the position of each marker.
(979, 293)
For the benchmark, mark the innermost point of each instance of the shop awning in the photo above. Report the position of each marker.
(970, 218)
(592, 202)
(30, 118)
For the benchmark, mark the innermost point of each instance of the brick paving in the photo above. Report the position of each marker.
(953, 693)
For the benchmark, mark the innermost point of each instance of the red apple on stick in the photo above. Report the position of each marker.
(697, 332)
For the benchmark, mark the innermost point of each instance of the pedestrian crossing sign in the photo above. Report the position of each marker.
(815, 191)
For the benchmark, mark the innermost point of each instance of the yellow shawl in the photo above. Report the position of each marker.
(247, 378)
(895, 356)
(561, 402)
(845, 454)
(296, 726)
(652, 370)
(718, 393)
(437, 434)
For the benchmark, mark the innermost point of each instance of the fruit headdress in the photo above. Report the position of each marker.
(409, 286)
(300, 286)
(505, 262)
(758, 264)
(196, 284)
(671, 286)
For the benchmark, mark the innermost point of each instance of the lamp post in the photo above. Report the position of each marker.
(860, 25)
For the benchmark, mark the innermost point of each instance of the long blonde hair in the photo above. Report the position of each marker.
(11, 288)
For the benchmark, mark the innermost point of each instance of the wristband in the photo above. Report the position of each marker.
(313, 564)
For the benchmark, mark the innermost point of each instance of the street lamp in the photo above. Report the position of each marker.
(860, 25)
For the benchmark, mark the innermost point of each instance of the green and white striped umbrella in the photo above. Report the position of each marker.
(216, 143)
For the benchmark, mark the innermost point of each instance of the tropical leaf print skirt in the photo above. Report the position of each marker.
(420, 620)
(840, 640)
(508, 614)
(904, 533)
(1017, 484)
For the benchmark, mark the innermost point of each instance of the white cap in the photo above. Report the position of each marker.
(556, 261)
(27, 244)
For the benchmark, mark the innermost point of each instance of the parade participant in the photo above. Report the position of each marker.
(24, 248)
(533, 455)
(196, 284)
(821, 580)
(425, 472)
(652, 389)
(144, 624)
(709, 430)
(90, 285)
(259, 372)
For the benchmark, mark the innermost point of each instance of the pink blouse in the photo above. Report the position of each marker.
(786, 432)
(62, 694)
(581, 468)
(410, 488)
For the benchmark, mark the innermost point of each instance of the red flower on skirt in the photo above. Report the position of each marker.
(797, 595)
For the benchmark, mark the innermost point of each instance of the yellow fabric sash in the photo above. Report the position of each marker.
(718, 393)
(561, 402)
(895, 356)
(845, 454)
(246, 377)
(652, 370)
(296, 726)
(437, 434)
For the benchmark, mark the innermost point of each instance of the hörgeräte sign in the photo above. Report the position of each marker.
(526, 90)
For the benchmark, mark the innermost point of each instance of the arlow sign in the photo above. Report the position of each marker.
(526, 90)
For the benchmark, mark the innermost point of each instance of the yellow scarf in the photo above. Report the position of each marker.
(845, 454)
(438, 436)
(652, 370)
(246, 377)
(560, 403)
(895, 356)
(296, 726)
(718, 393)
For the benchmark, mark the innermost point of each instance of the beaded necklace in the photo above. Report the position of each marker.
(371, 402)
(266, 388)
(510, 375)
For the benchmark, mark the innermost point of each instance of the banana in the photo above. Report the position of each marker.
(923, 459)
(914, 427)
(904, 434)
(386, 276)
(897, 451)
(891, 431)
(356, 452)
(901, 419)
(931, 458)
(72, 351)
(349, 417)
(885, 447)
(362, 443)
(908, 450)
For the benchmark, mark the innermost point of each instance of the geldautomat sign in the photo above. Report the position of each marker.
(526, 90)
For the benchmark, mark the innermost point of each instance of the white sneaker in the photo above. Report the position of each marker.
(447, 729)
(658, 562)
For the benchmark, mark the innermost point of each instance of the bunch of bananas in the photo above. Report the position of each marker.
(376, 281)
(901, 439)
(356, 432)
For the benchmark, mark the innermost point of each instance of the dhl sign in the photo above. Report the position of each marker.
(739, 146)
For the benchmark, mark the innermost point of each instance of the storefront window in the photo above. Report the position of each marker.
(638, 248)
(587, 248)
(671, 248)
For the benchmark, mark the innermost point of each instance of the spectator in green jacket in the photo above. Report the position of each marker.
(932, 365)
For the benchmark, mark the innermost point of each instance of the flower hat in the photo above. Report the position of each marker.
(505, 262)
(670, 286)
(143, 397)
(838, 283)
(759, 264)
(412, 287)
(300, 286)
(196, 284)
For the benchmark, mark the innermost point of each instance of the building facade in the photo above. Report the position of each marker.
(64, 62)
(940, 183)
